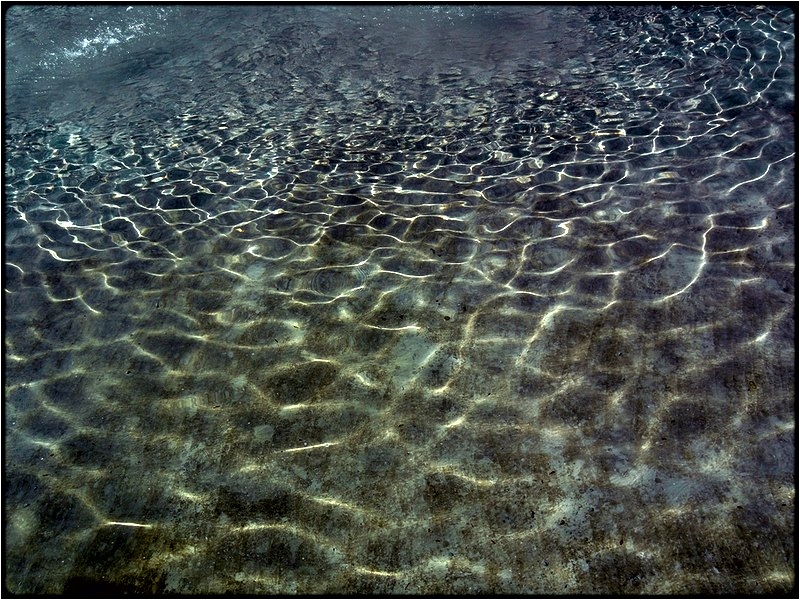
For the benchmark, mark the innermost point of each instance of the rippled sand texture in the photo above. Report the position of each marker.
(358, 317)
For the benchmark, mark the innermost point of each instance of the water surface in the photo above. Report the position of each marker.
(400, 299)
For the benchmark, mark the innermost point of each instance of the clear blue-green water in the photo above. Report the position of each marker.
(399, 300)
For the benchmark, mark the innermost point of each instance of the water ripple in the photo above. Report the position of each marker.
(394, 305)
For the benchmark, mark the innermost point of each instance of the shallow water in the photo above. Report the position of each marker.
(421, 300)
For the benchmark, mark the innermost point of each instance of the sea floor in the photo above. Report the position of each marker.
(400, 300)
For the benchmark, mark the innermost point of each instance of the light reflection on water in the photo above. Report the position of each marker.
(318, 312)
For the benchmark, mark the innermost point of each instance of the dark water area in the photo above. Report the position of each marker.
(392, 299)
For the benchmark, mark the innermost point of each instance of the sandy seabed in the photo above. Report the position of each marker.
(353, 301)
